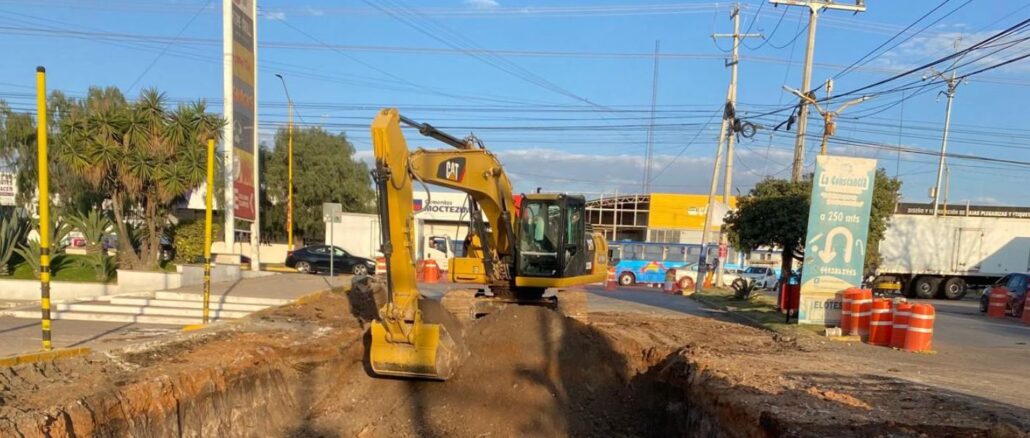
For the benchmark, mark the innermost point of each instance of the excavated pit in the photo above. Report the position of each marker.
(299, 371)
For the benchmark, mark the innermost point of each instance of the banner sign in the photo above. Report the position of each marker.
(241, 112)
(964, 210)
(838, 222)
(8, 188)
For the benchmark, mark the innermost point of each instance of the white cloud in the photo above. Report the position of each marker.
(275, 15)
(482, 4)
(923, 48)
(314, 12)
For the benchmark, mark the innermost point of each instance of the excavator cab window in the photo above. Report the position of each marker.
(551, 238)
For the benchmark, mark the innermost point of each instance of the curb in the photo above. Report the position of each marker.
(41, 356)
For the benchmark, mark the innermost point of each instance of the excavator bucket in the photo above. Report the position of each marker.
(436, 352)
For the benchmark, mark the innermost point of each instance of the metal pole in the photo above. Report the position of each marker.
(649, 154)
(944, 143)
(44, 206)
(332, 244)
(289, 165)
(255, 227)
(208, 207)
(806, 83)
(228, 133)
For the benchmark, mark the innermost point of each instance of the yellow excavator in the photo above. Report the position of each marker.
(517, 248)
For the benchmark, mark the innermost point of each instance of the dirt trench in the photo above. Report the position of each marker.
(299, 371)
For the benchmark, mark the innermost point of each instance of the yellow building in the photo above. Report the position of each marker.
(656, 217)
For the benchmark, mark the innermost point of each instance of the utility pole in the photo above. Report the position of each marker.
(829, 125)
(649, 153)
(952, 85)
(724, 132)
(814, 7)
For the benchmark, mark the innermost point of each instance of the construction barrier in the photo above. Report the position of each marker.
(996, 302)
(881, 322)
(862, 308)
(611, 282)
(919, 335)
(1026, 310)
(381, 266)
(430, 271)
(848, 312)
(899, 326)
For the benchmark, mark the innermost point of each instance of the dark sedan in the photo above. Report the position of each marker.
(316, 258)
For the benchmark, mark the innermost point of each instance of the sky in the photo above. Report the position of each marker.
(561, 90)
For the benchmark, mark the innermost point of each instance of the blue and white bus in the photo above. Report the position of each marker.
(647, 262)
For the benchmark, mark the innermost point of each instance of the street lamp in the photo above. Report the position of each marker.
(289, 167)
(829, 125)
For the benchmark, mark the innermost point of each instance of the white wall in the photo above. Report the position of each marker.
(270, 253)
(59, 290)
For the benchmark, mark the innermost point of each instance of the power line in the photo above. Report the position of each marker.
(166, 47)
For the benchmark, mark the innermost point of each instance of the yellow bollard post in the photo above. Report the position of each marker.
(44, 206)
(207, 226)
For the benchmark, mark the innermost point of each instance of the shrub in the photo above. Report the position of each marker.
(189, 240)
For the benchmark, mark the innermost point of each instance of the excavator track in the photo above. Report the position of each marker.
(471, 304)
(572, 303)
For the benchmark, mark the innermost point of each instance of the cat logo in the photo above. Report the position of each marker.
(452, 170)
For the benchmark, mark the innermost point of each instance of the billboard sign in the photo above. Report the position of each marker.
(243, 107)
(685, 212)
(838, 222)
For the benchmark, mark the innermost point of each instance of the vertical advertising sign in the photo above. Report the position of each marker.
(240, 113)
(838, 222)
(8, 188)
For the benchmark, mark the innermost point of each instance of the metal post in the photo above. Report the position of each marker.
(649, 153)
(944, 142)
(44, 206)
(289, 166)
(332, 245)
(208, 207)
(806, 83)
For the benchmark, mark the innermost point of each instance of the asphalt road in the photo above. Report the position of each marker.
(959, 324)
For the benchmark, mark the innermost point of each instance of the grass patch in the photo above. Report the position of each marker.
(69, 267)
(760, 309)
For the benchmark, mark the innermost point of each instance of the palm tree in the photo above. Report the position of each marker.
(144, 155)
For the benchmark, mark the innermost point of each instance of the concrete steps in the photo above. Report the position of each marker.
(164, 307)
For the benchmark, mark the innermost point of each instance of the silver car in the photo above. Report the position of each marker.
(764, 277)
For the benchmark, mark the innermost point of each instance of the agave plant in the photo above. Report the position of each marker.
(12, 231)
(93, 226)
(744, 288)
(30, 251)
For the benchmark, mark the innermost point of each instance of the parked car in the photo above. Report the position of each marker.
(316, 258)
(764, 277)
(686, 275)
(1016, 286)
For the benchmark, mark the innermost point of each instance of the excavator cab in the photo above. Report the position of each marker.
(552, 241)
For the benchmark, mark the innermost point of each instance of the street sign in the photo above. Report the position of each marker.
(331, 212)
(838, 222)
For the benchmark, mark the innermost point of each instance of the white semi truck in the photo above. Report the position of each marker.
(964, 247)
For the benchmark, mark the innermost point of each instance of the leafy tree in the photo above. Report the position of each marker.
(142, 155)
(775, 214)
(18, 149)
(324, 170)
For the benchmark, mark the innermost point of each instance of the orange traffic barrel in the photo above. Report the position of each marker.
(430, 271)
(611, 282)
(380, 265)
(919, 335)
(862, 310)
(847, 322)
(996, 302)
(881, 322)
(899, 326)
(1026, 311)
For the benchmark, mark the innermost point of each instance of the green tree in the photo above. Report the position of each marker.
(775, 214)
(324, 170)
(142, 155)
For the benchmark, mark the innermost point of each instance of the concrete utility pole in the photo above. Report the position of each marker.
(724, 132)
(952, 85)
(829, 125)
(814, 6)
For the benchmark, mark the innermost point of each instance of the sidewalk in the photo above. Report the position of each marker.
(23, 335)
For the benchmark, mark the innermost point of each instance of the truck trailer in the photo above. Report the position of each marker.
(966, 247)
